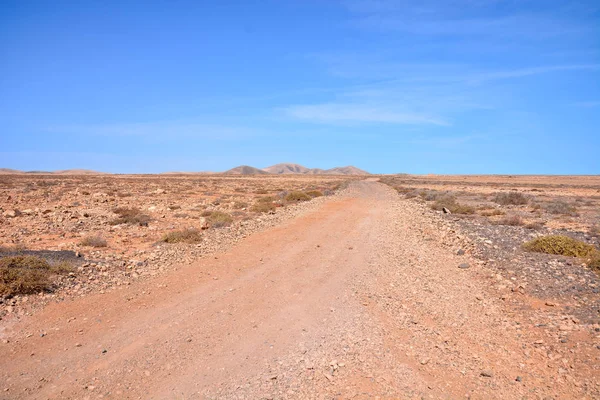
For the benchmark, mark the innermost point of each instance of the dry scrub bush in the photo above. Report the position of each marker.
(219, 219)
(412, 194)
(535, 225)
(402, 189)
(132, 216)
(93, 241)
(183, 236)
(594, 261)
(434, 195)
(451, 204)
(511, 220)
(491, 213)
(314, 193)
(297, 196)
(263, 205)
(28, 274)
(238, 205)
(511, 198)
(561, 208)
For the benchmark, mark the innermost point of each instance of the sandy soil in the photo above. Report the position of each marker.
(365, 296)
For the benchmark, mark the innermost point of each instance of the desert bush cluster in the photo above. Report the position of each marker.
(28, 274)
(191, 236)
(565, 246)
(132, 216)
(450, 203)
(93, 241)
(511, 198)
(296, 196)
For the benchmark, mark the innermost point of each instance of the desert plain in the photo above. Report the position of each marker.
(299, 285)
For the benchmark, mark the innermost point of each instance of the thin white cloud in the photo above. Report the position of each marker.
(340, 113)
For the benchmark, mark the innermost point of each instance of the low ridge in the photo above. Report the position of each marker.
(288, 168)
(245, 170)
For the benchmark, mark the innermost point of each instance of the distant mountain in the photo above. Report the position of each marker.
(77, 172)
(286, 169)
(297, 169)
(188, 173)
(10, 171)
(245, 170)
(349, 170)
(61, 172)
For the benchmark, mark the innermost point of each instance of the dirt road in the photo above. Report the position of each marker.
(358, 299)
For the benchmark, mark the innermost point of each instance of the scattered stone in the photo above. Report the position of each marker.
(464, 266)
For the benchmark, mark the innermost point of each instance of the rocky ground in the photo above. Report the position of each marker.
(49, 216)
(365, 294)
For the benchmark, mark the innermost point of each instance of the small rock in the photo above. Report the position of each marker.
(486, 374)
(460, 252)
(519, 379)
(464, 266)
(11, 213)
(446, 211)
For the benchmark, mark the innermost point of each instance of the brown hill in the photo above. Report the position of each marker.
(6, 171)
(245, 170)
(77, 172)
(287, 168)
(349, 170)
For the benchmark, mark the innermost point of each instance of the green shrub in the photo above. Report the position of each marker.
(560, 245)
(297, 196)
(28, 274)
(183, 236)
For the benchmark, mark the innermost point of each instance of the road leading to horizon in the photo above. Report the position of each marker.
(360, 298)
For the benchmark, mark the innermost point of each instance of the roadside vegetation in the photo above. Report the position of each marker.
(190, 236)
(28, 274)
(297, 196)
(565, 246)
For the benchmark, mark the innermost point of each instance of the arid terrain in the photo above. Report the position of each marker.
(297, 285)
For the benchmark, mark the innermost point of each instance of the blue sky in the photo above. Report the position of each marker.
(455, 86)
